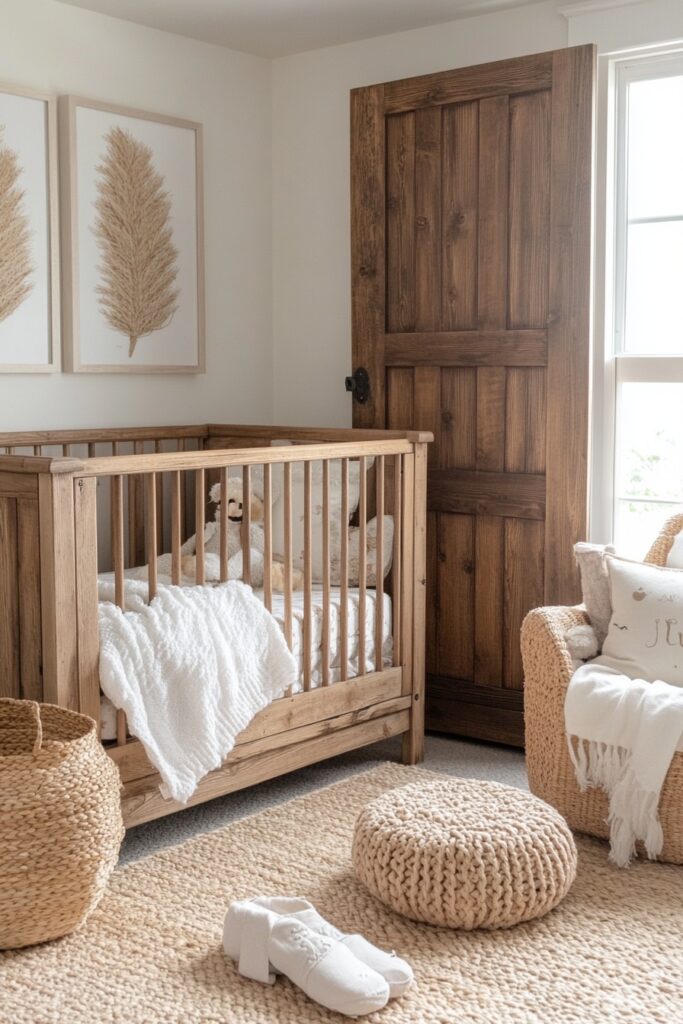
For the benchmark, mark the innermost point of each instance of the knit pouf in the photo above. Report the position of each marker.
(464, 853)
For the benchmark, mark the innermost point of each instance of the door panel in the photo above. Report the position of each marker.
(471, 196)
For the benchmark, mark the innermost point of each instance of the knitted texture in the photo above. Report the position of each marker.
(152, 953)
(60, 821)
(547, 671)
(464, 854)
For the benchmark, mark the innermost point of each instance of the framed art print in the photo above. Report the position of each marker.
(29, 240)
(132, 240)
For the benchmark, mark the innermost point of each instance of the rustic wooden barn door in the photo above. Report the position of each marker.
(471, 239)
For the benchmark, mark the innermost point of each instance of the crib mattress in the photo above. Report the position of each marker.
(108, 713)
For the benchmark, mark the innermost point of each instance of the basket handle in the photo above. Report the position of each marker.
(30, 709)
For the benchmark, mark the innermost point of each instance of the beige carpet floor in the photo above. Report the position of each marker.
(150, 954)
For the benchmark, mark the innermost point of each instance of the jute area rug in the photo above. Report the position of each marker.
(150, 954)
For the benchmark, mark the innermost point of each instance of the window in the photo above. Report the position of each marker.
(643, 367)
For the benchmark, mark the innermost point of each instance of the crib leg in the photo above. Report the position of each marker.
(413, 740)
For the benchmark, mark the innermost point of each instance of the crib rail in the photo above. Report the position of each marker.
(117, 501)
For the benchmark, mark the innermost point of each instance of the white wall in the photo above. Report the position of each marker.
(311, 256)
(62, 49)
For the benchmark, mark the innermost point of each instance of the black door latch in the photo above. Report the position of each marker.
(359, 385)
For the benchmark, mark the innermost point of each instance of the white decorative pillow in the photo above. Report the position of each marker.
(645, 637)
(595, 585)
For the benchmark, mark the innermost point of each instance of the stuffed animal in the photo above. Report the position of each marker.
(212, 541)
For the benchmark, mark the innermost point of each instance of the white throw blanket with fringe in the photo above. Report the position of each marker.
(190, 670)
(623, 734)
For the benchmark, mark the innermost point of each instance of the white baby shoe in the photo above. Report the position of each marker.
(397, 973)
(265, 943)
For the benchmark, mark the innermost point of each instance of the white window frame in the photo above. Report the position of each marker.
(612, 366)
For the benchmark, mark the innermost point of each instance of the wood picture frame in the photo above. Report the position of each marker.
(169, 150)
(37, 317)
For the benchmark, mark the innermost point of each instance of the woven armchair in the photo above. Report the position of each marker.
(547, 670)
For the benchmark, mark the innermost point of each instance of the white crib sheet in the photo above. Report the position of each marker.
(108, 713)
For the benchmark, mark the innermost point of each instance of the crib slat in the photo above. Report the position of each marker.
(223, 525)
(158, 447)
(117, 543)
(326, 574)
(176, 527)
(246, 524)
(117, 539)
(396, 563)
(180, 446)
(287, 513)
(136, 538)
(344, 572)
(379, 563)
(308, 578)
(362, 561)
(268, 536)
(152, 534)
(92, 450)
(199, 575)
(37, 449)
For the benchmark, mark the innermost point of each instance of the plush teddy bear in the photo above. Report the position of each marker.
(212, 541)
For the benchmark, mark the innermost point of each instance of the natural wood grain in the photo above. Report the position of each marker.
(427, 219)
(494, 140)
(85, 518)
(489, 601)
(142, 801)
(151, 532)
(267, 536)
(289, 713)
(456, 596)
(344, 572)
(569, 332)
(459, 198)
(308, 579)
(326, 574)
(362, 561)
(521, 74)
(426, 406)
(491, 418)
(379, 584)
(58, 591)
(413, 740)
(499, 173)
(28, 584)
(199, 492)
(490, 494)
(176, 528)
(400, 408)
(400, 199)
(10, 674)
(458, 403)
(246, 524)
(529, 184)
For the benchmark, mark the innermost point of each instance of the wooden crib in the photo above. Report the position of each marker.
(77, 502)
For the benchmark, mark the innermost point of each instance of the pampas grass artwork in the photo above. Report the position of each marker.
(133, 231)
(15, 252)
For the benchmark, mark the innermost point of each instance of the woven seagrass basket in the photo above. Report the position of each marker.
(60, 821)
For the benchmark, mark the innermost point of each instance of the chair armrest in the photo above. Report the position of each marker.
(543, 639)
(548, 668)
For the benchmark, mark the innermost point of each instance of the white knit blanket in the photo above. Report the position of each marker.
(622, 735)
(190, 670)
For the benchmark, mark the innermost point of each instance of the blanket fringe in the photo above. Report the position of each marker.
(633, 811)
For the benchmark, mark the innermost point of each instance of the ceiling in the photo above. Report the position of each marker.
(274, 28)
